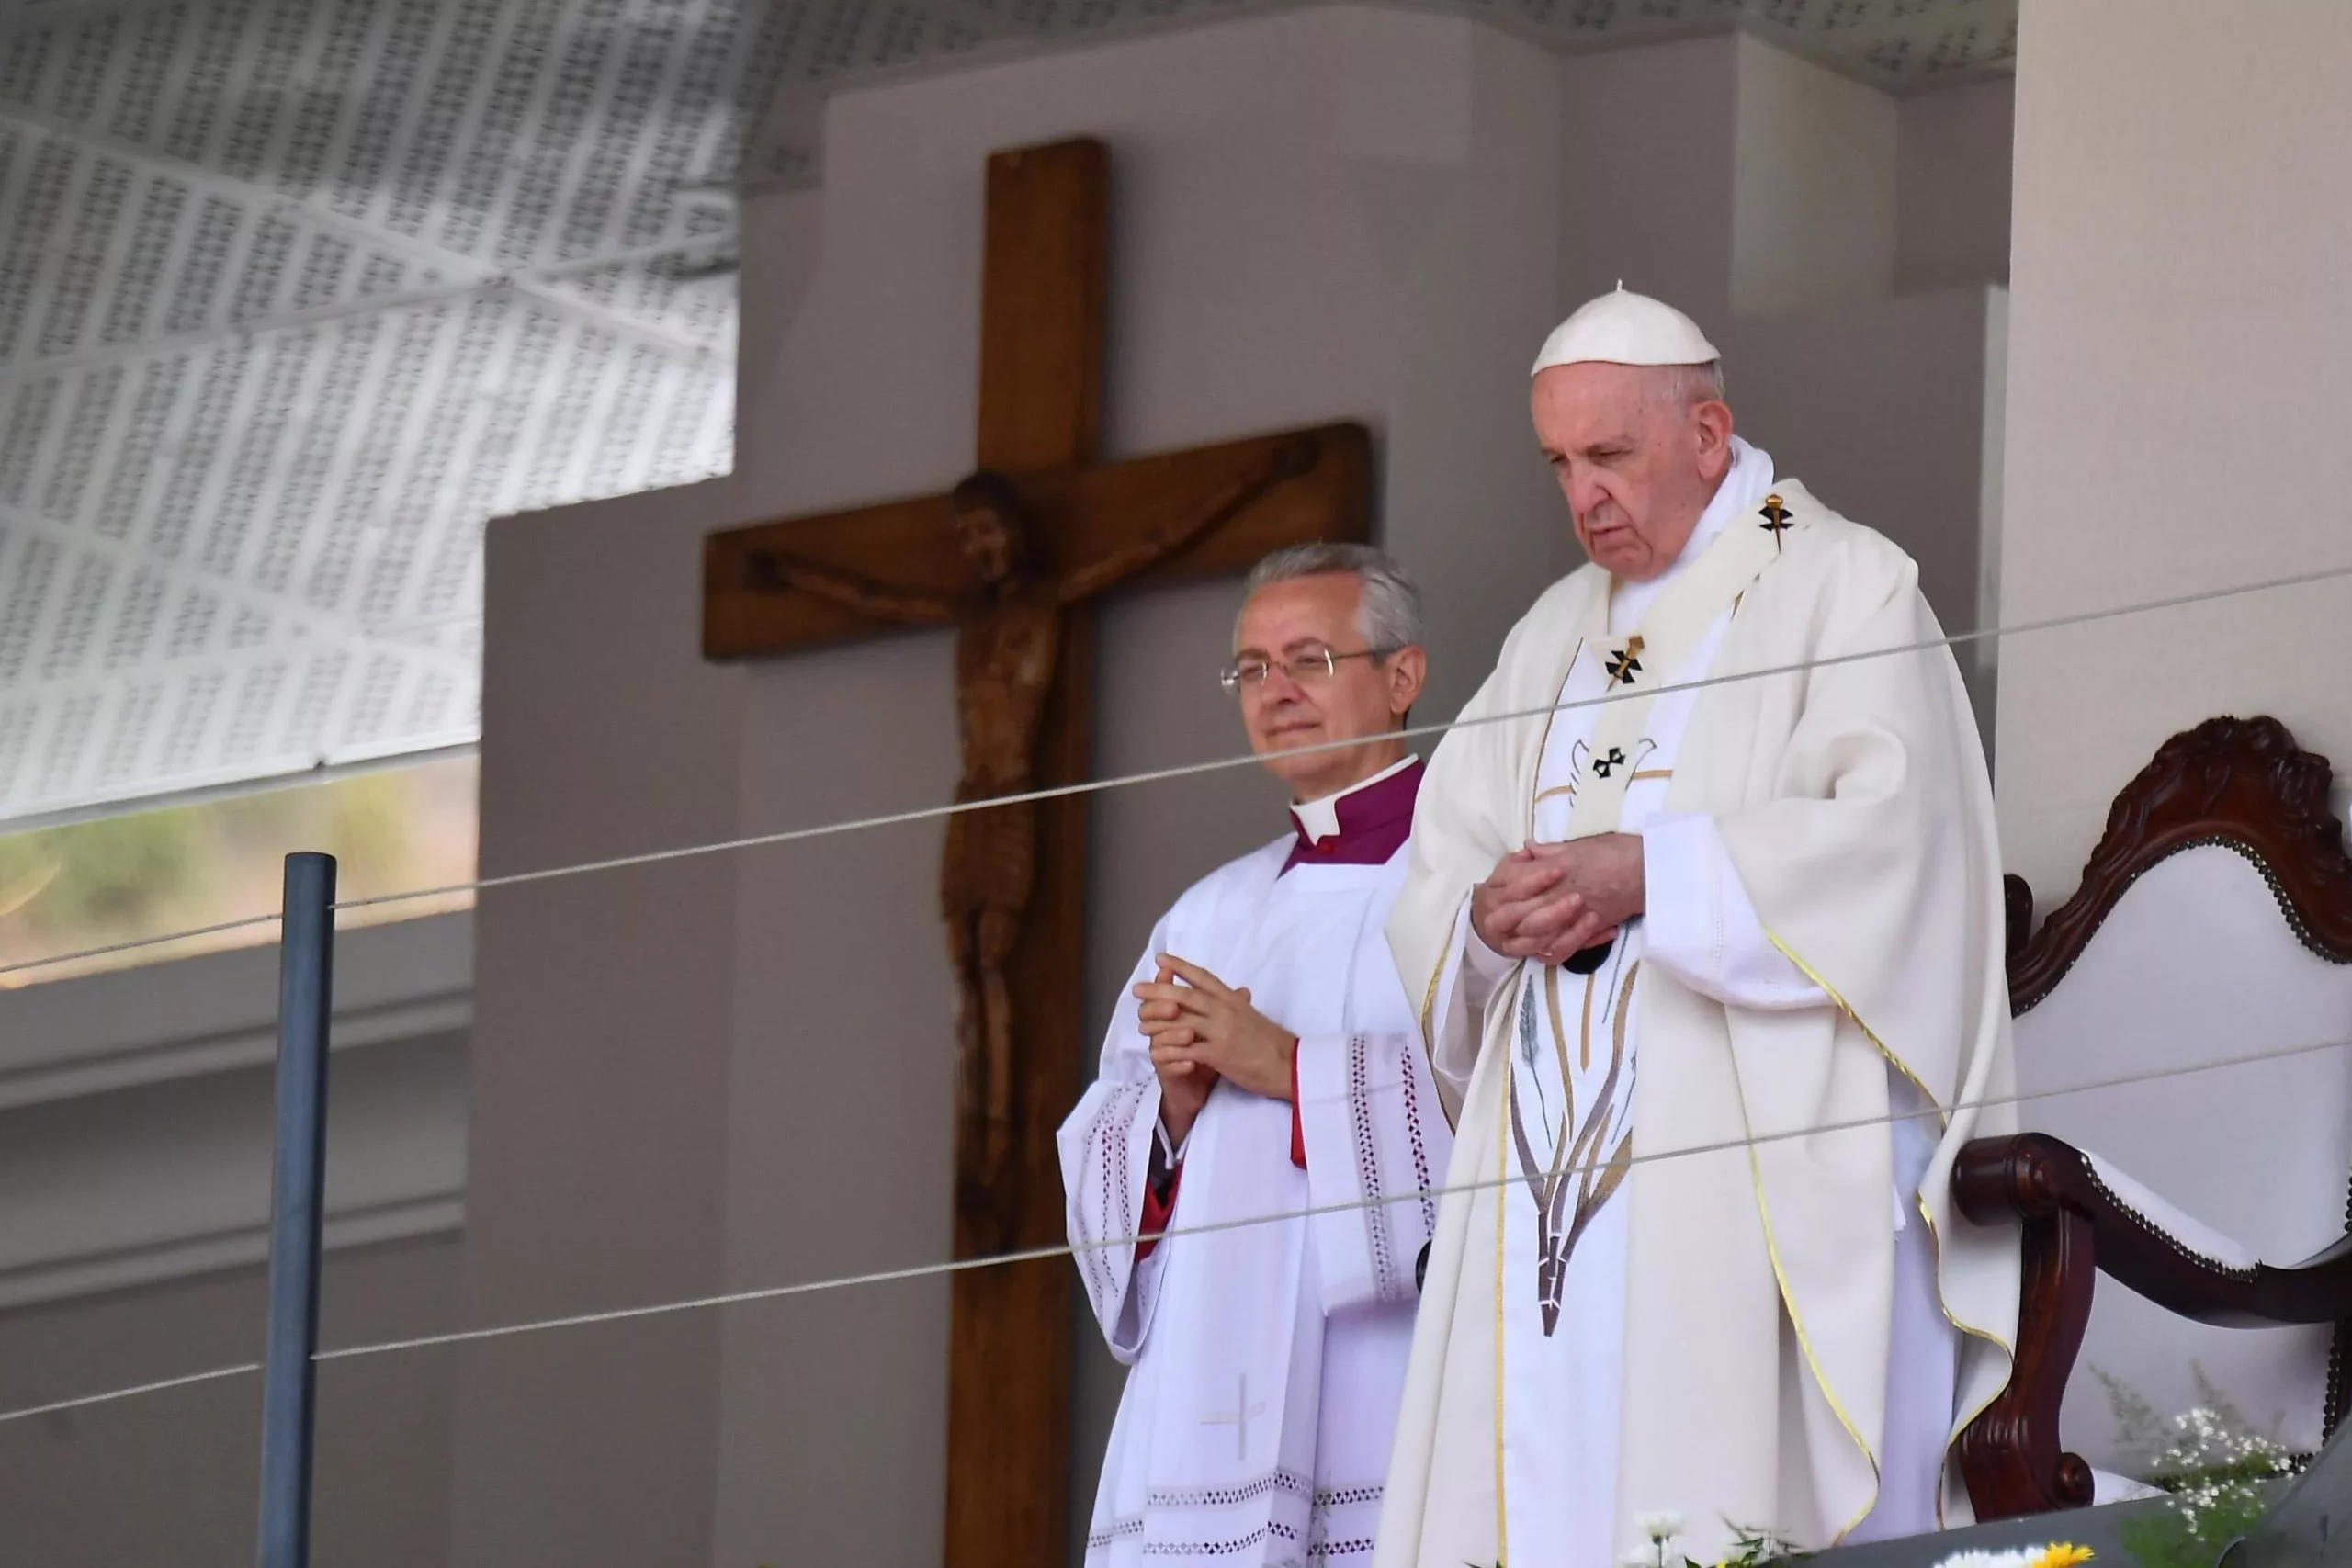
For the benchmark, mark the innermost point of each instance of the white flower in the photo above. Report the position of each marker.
(1660, 1527)
(1645, 1557)
(1985, 1560)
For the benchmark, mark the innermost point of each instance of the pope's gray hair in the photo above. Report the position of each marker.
(1685, 385)
(1389, 615)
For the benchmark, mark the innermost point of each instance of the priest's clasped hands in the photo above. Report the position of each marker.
(1201, 1030)
(1549, 901)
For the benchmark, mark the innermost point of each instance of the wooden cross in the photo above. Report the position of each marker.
(1014, 557)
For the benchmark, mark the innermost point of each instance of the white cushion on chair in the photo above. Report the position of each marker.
(2108, 1487)
(2197, 962)
(2194, 1237)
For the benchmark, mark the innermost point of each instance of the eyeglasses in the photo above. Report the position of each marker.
(1312, 665)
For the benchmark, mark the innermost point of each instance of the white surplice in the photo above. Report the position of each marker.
(1267, 1359)
(1553, 1227)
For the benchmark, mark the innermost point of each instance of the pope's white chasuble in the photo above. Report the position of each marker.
(1563, 1283)
(1267, 1359)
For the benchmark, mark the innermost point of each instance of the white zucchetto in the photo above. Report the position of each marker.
(1623, 328)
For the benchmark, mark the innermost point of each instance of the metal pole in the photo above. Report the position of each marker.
(298, 1186)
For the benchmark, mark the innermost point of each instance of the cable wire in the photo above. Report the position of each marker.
(57, 1405)
(1189, 770)
(1070, 1249)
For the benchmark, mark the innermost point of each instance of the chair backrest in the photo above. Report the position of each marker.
(2214, 924)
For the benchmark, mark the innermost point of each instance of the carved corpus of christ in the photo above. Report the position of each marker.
(1008, 626)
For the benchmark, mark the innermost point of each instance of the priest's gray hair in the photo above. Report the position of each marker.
(1389, 613)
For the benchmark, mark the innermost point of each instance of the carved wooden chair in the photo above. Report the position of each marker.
(2213, 921)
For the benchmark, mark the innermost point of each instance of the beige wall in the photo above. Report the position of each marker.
(599, 1084)
(2178, 365)
(1792, 190)
(1953, 149)
(135, 1127)
(1883, 409)
(1634, 124)
(173, 1478)
(1813, 186)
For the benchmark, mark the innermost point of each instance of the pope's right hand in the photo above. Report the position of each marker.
(1524, 910)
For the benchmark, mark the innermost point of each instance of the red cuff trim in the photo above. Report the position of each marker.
(1157, 1214)
(1297, 1128)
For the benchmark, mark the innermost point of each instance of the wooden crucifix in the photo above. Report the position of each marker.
(1012, 558)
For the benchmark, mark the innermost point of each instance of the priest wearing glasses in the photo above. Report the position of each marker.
(1703, 930)
(1265, 1065)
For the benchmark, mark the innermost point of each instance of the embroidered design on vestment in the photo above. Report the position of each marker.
(1375, 1212)
(1320, 1547)
(1420, 1159)
(1219, 1548)
(1322, 1502)
(1587, 1168)
(1626, 662)
(1121, 1527)
(1118, 1114)
(1288, 1481)
(1776, 520)
(1604, 765)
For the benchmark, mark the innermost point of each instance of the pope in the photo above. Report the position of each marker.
(1707, 950)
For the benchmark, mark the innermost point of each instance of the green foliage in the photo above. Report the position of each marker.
(2140, 1433)
(1750, 1548)
(2219, 1471)
(29, 866)
(373, 819)
(141, 874)
(106, 872)
(1754, 1549)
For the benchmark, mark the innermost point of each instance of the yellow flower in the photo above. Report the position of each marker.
(2061, 1555)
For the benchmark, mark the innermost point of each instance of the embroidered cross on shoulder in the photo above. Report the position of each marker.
(1626, 662)
(1775, 519)
(1604, 765)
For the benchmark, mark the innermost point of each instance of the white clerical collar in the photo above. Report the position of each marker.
(1318, 819)
(1744, 485)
